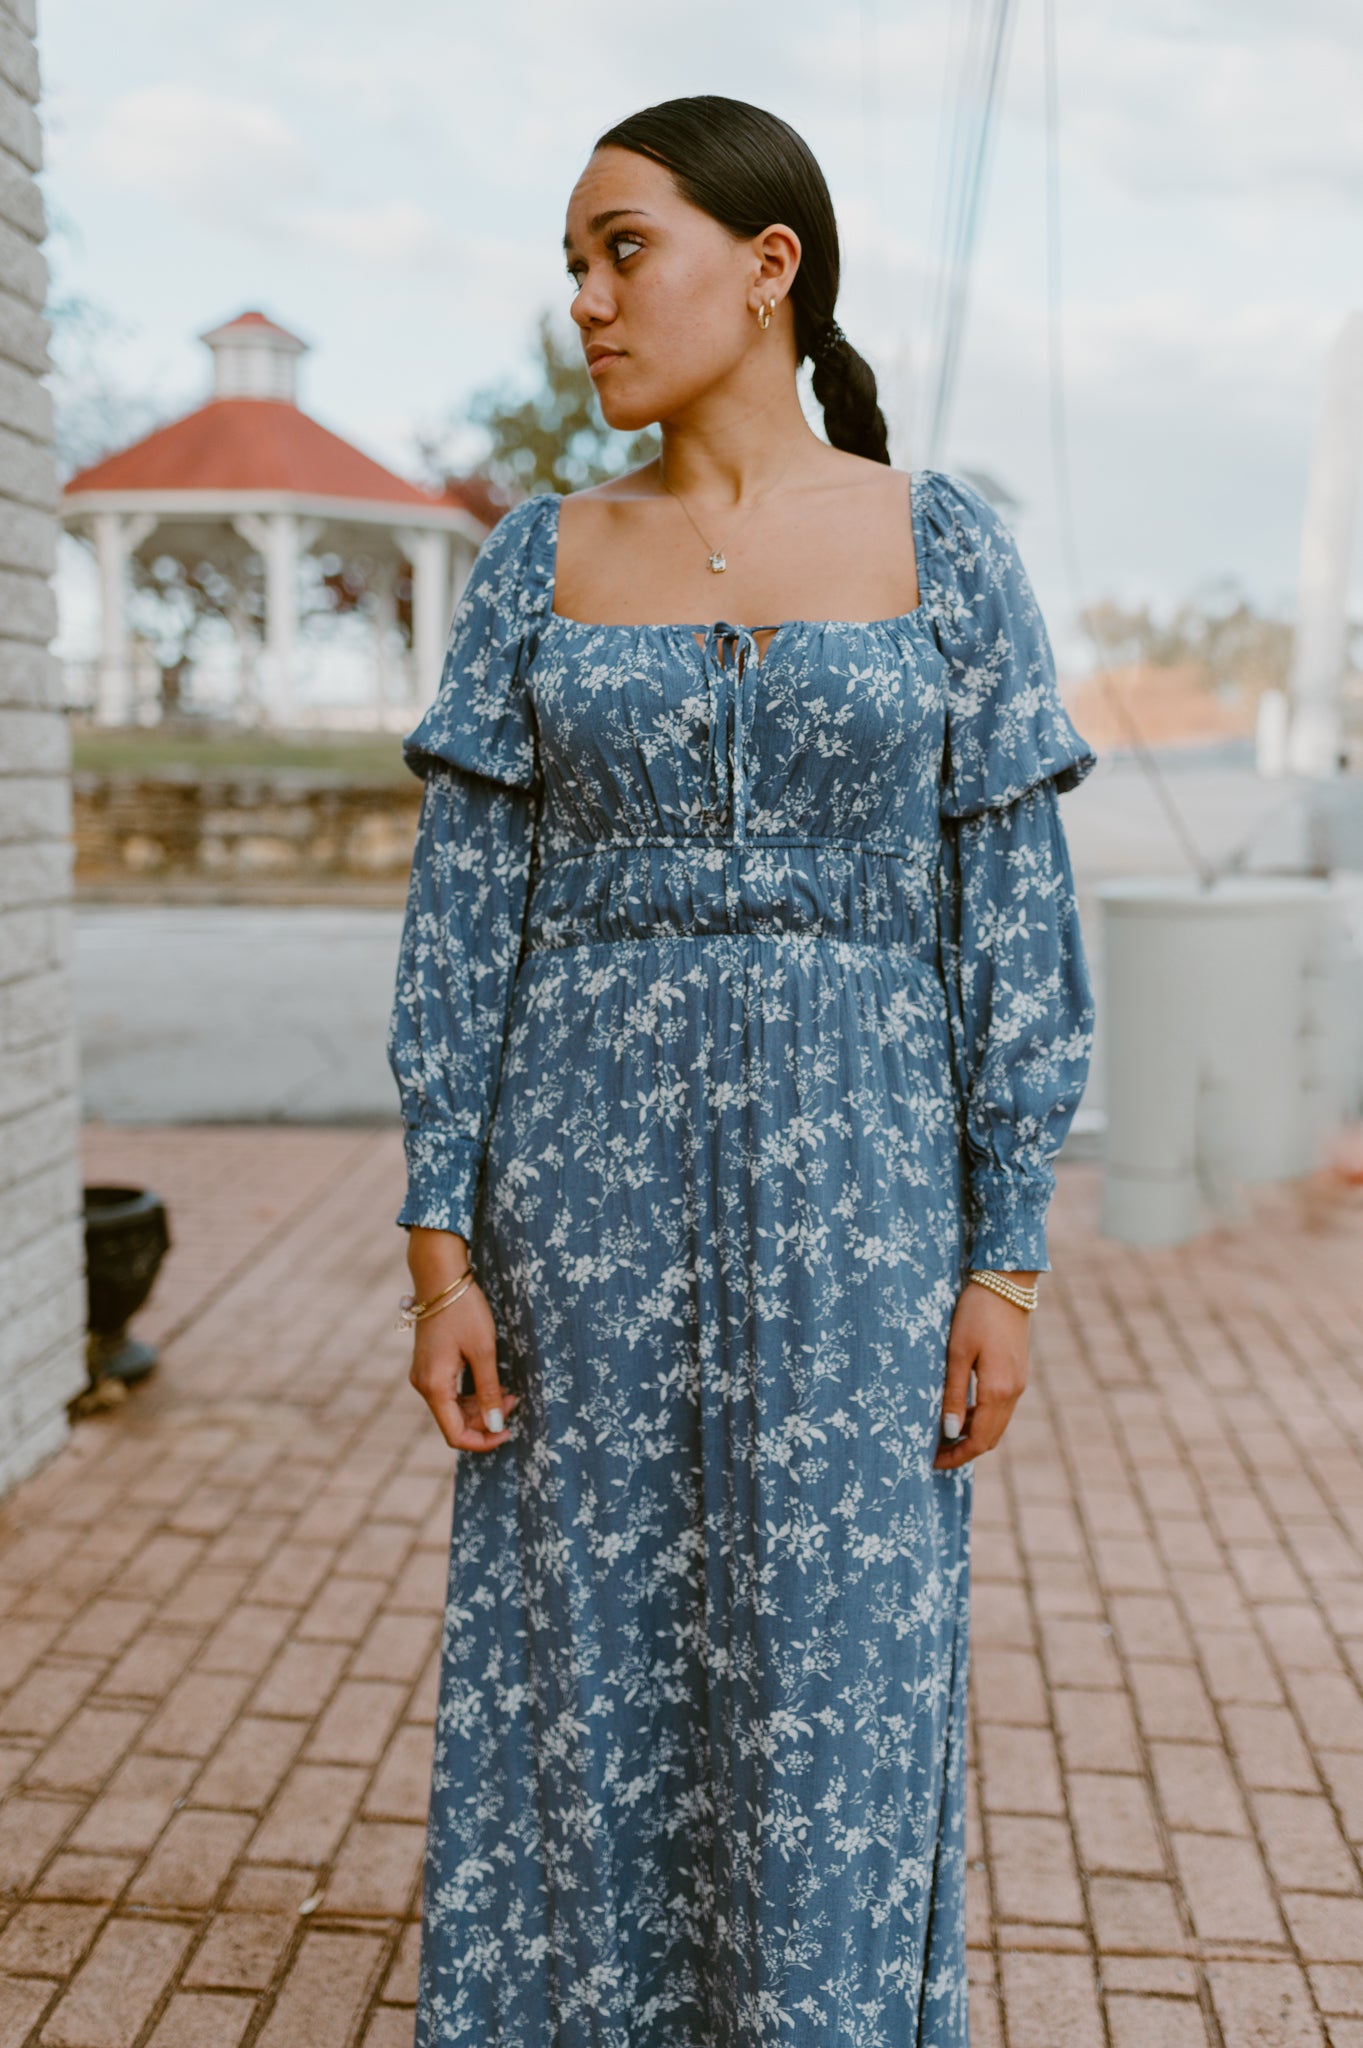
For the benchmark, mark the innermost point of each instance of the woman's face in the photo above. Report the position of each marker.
(666, 298)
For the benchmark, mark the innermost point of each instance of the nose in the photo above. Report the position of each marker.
(592, 304)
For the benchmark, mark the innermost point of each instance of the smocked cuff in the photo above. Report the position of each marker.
(442, 1179)
(1009, 1223)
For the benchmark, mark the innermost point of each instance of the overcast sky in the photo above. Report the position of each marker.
(391, 183)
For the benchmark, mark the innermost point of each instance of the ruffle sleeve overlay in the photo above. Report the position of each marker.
(468, 886)
(1014, 967)
(741, 1005)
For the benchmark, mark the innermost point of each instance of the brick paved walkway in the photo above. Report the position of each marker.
(219, 1613)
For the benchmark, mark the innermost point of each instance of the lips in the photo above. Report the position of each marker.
(602, 360)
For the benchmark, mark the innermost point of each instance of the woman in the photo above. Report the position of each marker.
(741, 1009)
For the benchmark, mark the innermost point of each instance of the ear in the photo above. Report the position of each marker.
(778, 253)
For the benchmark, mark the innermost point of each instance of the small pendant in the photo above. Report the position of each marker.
(718, 563)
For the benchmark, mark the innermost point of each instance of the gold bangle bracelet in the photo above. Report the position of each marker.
(1011, 1290)
(412, 1311)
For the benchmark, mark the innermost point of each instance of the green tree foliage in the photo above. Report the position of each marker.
(1232, 648)
(553, 438)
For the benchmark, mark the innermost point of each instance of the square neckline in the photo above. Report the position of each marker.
(694, 626)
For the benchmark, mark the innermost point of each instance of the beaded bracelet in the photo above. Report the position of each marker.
(1011, 1290)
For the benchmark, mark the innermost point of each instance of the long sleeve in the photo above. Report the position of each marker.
(1021, 1010)
(457, 960)
(472, 864)
(1019, 996)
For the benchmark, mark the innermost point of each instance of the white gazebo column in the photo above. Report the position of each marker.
(116, 535)
(1318, 659)
(280, 538)
(428, 550)
(385, 619)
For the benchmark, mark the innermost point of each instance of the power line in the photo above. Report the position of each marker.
(946, 160)
(1061, 460)
(973, 134)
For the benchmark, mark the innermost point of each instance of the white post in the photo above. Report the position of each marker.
(1327, 547)
(385, 618)
(246, 707)
(279, 539)
(1270, 733)
(281, 612)
(428, 550)
(116, 535)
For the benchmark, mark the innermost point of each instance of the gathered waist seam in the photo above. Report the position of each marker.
(913, 855)
(663, 935)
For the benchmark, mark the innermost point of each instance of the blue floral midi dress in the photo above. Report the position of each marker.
(741, 1004)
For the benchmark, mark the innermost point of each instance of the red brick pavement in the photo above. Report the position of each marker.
(219, 1611)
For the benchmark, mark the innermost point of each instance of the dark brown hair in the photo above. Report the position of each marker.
(747, 168)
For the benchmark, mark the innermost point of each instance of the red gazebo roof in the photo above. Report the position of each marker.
(250, 444)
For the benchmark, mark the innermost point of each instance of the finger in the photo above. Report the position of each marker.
(966, 1447)
(481, 1354)
(483, 1438)
(986, 1421)
(438, 1386)
(993, 1413)
(437, 1373)
(956, 1391)
(461, 1420)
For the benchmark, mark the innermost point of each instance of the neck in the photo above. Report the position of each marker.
(725, 450)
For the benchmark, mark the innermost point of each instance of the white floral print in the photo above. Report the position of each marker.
(741, 1005)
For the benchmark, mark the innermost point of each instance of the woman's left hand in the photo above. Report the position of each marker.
(989, 1337)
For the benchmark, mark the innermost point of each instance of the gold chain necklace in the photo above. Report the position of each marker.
(718, 562)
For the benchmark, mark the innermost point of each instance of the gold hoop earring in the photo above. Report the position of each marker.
(764, 314)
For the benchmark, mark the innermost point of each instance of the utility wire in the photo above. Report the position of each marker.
(946, 164)
(975, 135)
(1061, 464)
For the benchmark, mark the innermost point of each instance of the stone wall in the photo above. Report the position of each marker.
(245, 836)
(42, 1284)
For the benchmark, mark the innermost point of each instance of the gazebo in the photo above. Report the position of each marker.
(249, 472)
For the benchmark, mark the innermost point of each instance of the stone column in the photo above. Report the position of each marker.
(42, 1259)
(116, 535)
(428, 550)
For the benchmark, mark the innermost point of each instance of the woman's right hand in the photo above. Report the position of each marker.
(462, 1334)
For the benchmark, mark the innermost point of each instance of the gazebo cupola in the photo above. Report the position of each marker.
(252, 358)
(249, 472)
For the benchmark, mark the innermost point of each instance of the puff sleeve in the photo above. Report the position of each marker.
(475, 753)
(1014, 968)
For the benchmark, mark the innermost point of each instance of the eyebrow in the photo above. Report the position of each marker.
(599, 221)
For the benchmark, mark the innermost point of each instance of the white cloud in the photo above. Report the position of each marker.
(238, 164)
(395, 234)
(1273, 118)
(217, 157)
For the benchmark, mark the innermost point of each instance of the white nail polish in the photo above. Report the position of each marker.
(494, 1421)
(951, 1426)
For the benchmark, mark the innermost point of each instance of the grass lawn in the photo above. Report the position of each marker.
(122, 750)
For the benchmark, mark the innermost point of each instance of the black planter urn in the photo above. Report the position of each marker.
(127, 1234)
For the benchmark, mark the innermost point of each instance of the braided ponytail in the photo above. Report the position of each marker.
(845, 386)
(747, 168)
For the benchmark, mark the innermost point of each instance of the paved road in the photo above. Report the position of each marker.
(193, 1014)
